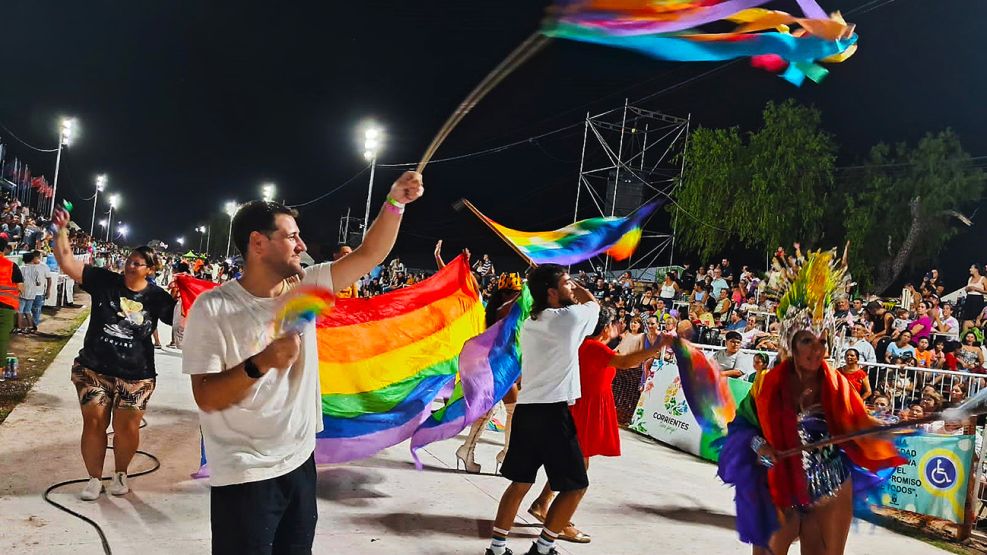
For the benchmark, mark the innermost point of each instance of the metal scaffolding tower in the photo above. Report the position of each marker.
(631, 156)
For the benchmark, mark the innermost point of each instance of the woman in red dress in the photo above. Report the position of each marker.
(595, 413)
(856, 375)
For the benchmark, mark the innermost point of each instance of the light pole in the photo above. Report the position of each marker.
(202, 233)
(114, 200)
(122, 230)
(231, 207)
(100, 185)
(267, 191)
(65, 137)
(371, 146)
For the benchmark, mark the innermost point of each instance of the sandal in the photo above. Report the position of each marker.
(572, 534)
(540, 517)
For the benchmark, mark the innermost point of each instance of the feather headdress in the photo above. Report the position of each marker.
(806, 290)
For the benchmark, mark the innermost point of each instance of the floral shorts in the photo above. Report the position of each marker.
(108, 391)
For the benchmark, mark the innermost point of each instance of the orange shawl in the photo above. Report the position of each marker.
(845, 413)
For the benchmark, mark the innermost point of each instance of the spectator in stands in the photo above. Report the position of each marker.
(924, 357)
(726, 359)
(975, 288)
(859, 343)
(946, 322)
(857, 308)
(698, 294)
(760, 363)
(970, 357)
(882, 321)
(897, 385)
(646, 301)
(900, 322)
(921, 327)
(718, 284)
(931, 400)
(882, 405)
(736, 321)
(669, 290)
(856, 375)
(957, 393)
(725, 270)
(900, 348)
(722, 308)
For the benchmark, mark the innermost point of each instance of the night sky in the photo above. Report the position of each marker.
(187, 104)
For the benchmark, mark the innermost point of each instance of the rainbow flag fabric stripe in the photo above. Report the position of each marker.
(383, 360)
(582, 240)
(488, 365)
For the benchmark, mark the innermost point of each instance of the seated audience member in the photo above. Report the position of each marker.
(726, 359)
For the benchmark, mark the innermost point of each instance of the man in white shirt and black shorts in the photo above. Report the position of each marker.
(259, 400)
(563, 313)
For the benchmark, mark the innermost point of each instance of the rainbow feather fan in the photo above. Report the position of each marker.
(302, 306)
(667, 30)
(705, 390)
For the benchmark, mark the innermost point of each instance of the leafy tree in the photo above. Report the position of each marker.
(765, 193)
(905, 204)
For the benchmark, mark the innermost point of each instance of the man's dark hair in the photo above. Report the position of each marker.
(339, 247)
(28, 257)
(540, 280)
(256, 215)
(731, 335)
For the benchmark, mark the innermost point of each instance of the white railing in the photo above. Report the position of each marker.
(909, 380)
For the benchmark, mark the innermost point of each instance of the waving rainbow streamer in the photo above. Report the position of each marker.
(667, 30)
(705, 390)
(488, 365)
(617, 237)
(383, 360)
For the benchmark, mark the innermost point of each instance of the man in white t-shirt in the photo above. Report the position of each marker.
(563, 313)
(865, 351)
(258, 396)
(946, 322)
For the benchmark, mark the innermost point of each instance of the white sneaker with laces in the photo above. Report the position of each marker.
(92, 490)
(118, 484)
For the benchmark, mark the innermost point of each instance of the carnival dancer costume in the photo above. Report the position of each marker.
(770, 415)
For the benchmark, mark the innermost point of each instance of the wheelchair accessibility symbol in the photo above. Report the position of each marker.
(940, 473)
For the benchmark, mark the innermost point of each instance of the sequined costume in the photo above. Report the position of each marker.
(799, 482)
(770, 414)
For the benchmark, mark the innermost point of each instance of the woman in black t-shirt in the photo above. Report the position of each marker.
(114, 373)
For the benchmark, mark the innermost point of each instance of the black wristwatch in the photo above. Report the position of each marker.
(251, 369)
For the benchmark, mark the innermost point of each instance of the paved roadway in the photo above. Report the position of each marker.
(653, 499)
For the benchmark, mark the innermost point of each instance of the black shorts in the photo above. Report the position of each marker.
(545, 435)
(271, 516)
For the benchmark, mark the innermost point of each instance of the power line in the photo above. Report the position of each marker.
(324, 195)
(25, 143)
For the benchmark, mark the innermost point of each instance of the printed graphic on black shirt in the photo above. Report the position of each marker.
(118, 342)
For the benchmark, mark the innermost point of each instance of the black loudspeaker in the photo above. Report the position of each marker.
(629, 192)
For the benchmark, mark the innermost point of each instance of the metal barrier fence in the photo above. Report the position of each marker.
(902, 385)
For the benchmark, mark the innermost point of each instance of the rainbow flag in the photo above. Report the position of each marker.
(488, 365)
(582, 240)
(383, 360)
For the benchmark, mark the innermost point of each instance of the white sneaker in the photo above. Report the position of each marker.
(118, 484)
(92, 490)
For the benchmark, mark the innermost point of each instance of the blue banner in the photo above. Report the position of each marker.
(934, 481)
